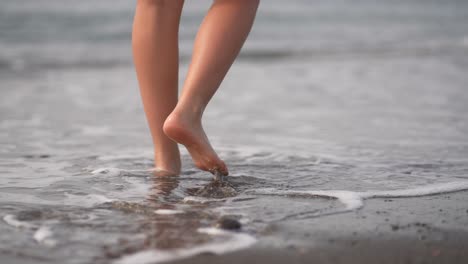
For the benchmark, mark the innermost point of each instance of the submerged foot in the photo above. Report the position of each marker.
(164, 172)
(189, 132)
(166, 159)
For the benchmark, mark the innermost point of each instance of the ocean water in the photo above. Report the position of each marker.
(332, 101)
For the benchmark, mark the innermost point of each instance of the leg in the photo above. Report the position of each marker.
(217, 44)
(156, 58)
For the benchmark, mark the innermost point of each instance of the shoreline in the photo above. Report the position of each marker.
(453, 249)
(427, 229)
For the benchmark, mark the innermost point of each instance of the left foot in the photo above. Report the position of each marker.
(163, 173)
(166, 158)
(188, 131)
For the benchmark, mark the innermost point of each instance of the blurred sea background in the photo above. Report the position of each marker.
(326, 95)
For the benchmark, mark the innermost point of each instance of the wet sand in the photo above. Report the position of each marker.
(431, 229)
(428, 229)
(352, 250)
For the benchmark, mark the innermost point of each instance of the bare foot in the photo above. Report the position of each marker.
(163, 184)
(167, 159)
(158, 172)
(188, 131)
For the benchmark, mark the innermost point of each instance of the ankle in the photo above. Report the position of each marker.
(171, 167)
(183, 116)
(168, 159)
(189, 110)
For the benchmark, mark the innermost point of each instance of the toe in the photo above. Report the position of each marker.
(220, 168)
(224, 169)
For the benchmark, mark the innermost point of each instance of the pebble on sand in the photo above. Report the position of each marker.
(228, 223)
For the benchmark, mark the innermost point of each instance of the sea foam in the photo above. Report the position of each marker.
(233, 242)
(13, 221)
(355, 200)
(44, 235)
(167, 211)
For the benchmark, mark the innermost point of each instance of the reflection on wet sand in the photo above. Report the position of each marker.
(162, 186)
(167, 231)
(168, 222)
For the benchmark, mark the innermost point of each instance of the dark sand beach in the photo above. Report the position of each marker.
(405, 230)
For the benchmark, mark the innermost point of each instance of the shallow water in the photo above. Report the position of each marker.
(360, 101)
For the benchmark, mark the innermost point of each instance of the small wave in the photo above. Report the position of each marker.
(234, 241)
(44, 235)
(432, 189)
(355, 200)
(13, 221)
(113, 172)
(421, 49)
(20, 64)
(202, 200)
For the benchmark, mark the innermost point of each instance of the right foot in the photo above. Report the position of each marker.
(189, 132)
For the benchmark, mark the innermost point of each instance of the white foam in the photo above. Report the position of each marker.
(213, 231)
(419, 191)
(43, 235)
(113, 172)
(197, 199)
(233, 242)
(167, 211)
(351, 200)
(13, 221)
(355, 200)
